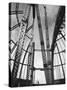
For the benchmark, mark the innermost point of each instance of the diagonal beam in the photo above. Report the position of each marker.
(14, 27)
(60, 38)
(62, 35)
(17, 25)
(59, 21)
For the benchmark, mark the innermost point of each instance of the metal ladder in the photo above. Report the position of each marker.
(19, 50)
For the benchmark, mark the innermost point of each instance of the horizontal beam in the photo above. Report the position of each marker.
(41, 50)
(22, 48)
(61, 61)
(60, 52)
(14, 12)
(19, 62)
(36, 68)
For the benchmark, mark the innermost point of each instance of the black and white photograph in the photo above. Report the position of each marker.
(37, 45)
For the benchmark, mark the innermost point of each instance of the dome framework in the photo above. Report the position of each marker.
(36, 44)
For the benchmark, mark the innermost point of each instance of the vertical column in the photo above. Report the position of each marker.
(49, 61)
(46, 71)
(33, 44)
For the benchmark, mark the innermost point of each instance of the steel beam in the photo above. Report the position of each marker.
(14, 12)
(49, 60)
(60, 61)
(45, 64)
